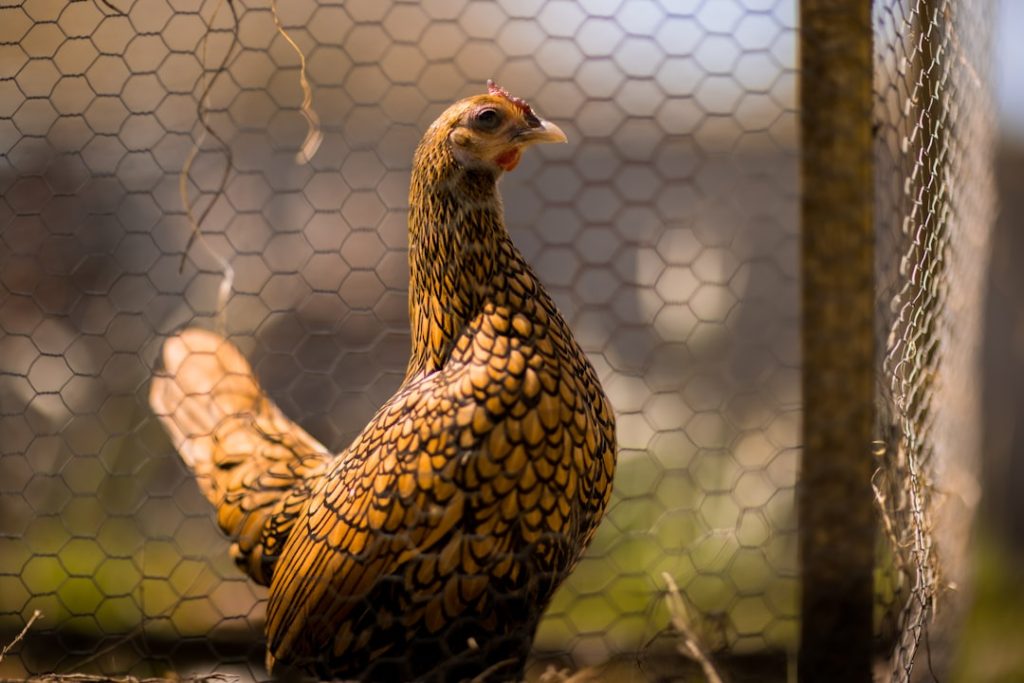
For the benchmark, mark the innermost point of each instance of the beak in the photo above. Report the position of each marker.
(545, 132)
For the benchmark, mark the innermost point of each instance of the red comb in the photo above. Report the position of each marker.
(520, 104)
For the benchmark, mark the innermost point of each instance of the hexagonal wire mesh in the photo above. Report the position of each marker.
(666, 232)
(675, 203)
(935, 205)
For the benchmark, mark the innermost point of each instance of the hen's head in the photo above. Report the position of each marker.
(490, 131)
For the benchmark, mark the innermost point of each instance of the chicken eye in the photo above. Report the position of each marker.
(488, 118)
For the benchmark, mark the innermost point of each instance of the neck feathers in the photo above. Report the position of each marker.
(456, 238)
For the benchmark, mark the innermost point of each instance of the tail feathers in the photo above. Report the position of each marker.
(251, 462)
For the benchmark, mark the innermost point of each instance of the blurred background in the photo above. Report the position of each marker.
(667, 232)
(989, 651)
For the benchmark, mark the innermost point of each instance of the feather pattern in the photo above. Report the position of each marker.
(429, 548)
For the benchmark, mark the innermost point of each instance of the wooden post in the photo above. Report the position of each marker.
(836, 508)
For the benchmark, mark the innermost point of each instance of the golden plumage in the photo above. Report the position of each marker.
(429, 548)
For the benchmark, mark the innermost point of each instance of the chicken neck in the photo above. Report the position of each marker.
(457, 243)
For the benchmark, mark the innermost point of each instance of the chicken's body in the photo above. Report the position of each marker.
(429, 548)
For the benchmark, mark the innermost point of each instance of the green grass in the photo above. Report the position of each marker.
(991, 649)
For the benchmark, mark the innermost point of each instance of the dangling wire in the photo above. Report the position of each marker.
(117, 12)
(313, 135)
(202, 109)
(309, 146)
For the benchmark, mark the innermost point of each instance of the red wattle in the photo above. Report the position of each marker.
(510, 159)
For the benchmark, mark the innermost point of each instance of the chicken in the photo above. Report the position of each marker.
(428, 549)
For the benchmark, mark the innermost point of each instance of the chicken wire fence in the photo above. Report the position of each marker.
(934, 208)
(667, 231)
